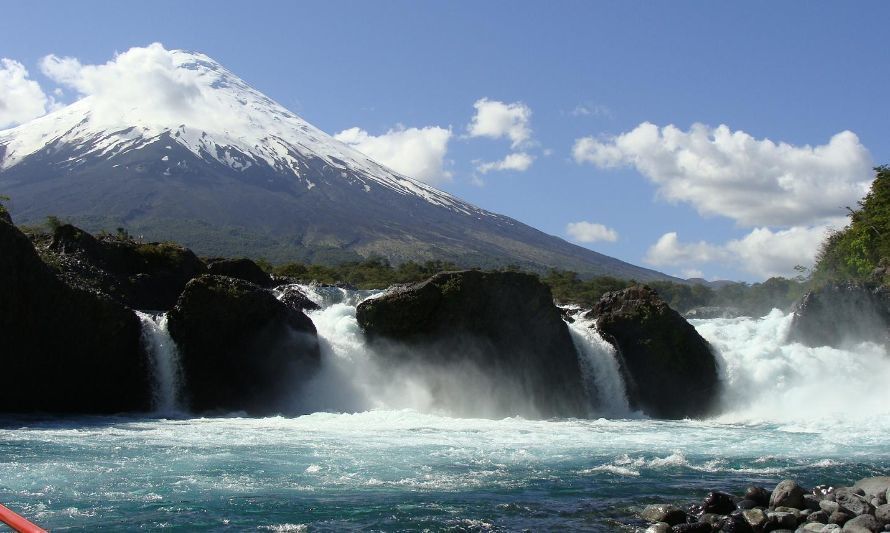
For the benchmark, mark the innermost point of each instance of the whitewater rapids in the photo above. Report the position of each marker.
(383, 456)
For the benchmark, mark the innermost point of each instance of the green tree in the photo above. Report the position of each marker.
(854, 252)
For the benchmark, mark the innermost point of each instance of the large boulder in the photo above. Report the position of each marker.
(842, 312)
(141, 275)
(240, 348)
(500, 329)
(668, 367)
(874, 486)
(787, 494)
(65, 349)
(241, 268)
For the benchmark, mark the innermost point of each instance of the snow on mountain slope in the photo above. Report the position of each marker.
(219, 117)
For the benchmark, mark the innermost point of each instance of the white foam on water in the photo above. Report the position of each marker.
(768, 379)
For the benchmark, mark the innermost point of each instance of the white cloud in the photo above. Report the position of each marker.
(762, 252)
(689, 273)
(415, 152)
(596, 110)
(520, 162)
(143, 82)
(496, 120)
(590, 232)
(21, 98)
(732, 174)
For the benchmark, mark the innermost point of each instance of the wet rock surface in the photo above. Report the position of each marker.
(787, 507)
(669, 369)
(241, 349)
(839, 312)
(65, 348)
(503, 323)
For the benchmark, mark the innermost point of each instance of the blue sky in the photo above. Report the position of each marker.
(681, 202)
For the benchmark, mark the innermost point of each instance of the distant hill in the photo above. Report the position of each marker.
(238, 174)
(716, 284)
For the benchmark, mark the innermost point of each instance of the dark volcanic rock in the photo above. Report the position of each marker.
(294, 298)
(240, 348)
(839, 312)
(503, 324)
(668, 367)
(668, 514)
(693, 527)
(64, 349)
(758, 494)
(240, 268)
(736, 523)
(719, 503)
(139, 275)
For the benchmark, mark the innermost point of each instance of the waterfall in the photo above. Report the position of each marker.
(164, 358)
(602, 373)
(767, 378)
(764, 377)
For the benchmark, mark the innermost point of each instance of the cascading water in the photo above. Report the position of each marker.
(164, 356)
(766, 378)
(602, 373)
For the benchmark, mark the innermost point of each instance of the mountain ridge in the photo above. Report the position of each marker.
(227, 171)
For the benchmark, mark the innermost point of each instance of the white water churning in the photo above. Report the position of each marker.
(602, 372)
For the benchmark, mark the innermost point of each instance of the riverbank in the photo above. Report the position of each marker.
(860, 508)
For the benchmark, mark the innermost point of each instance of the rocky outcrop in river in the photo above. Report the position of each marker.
(669, 369)
(843, 312)
(241, 349)
(65, 348)
(503, 323)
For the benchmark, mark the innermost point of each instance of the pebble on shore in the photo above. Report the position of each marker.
(862, 508)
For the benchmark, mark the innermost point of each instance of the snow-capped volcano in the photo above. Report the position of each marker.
(172, 145)
(214, 115)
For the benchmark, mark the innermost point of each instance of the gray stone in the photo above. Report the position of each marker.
(818, 516)
(812, 526)
(839, 517)
(854, 503)
(882, 513)
(694, 527)
(756, 517)
(873, 486)
(659, 527)
(781, 520)
(829, 506)
(712, 518)
(811, 501)
(789, 510)
(758, 494)
(863, 524)
(787, 494)
(670, 514)
(746, 504)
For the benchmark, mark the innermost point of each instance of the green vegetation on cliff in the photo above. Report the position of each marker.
(857, 250)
